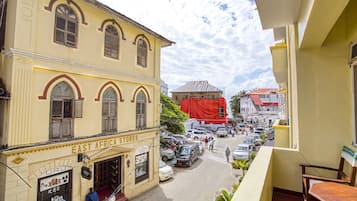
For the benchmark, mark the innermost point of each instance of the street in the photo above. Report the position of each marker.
(202, 181)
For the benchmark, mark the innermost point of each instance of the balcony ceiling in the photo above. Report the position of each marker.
(277, 13)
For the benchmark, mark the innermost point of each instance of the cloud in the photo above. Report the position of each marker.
(219, 41)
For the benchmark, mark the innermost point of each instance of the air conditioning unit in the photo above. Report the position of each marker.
(353, 53)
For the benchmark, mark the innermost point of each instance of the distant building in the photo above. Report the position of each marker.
(164, 87)
(201, 101)
(260, 105)
(196, 89)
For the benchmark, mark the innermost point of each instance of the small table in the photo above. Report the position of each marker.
(330, 191)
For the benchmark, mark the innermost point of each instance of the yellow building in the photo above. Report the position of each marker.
(314, 64)
(79, 101)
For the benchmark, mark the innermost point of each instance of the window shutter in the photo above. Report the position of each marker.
(78, 109)
(112, 109)
(56, 108)
(68, 108)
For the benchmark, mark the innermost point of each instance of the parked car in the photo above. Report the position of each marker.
(187, 155)
(170, 139)
(242, 152)
(257, 139)
(181, 138)
(249, 140)
(259, 130)
(270, 132)
(197, 134)
(166, 153)
(241, 126)
(201, 146)
(222, 132)
(165, 172)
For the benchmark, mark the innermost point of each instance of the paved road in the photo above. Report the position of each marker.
(199, 182)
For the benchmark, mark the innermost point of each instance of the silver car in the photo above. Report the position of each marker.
(166, 154)
(242, 152)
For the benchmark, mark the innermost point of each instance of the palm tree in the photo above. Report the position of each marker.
(240, 164)
(224, 195)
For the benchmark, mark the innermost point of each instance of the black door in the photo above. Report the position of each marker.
(107, 176)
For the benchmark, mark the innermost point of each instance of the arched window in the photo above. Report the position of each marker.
(66, 26)
(140, 110)
(111, 42)
(109, 111)
(142, 53)
(61, 111)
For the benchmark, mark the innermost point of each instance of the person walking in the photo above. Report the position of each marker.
(206, 141)
(211, 144)
(228, 153)
(92, 195)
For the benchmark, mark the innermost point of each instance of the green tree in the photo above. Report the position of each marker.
(235, 104)
(171, 116)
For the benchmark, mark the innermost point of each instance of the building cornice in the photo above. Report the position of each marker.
(17, 52)
(50, 145)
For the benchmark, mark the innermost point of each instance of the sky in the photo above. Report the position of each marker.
(220, 41)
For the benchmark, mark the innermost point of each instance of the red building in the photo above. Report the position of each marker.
(201, 101)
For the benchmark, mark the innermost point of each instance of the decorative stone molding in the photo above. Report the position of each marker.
(69, 2)
(144, 37)
(45, 91)
(113, 23)
(145, 91)
(106, 84)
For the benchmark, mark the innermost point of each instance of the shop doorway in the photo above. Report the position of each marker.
(107, 176)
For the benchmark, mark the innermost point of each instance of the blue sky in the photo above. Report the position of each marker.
(219, 41)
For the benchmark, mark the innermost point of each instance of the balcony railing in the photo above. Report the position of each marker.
(272, 169)
(281, 134)
(257, 184)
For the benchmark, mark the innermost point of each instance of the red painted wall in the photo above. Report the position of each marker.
(205, 110)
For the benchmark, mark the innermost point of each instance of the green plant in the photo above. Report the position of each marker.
(224, 195)
(236, 186)
(253, 155)
(264, 136)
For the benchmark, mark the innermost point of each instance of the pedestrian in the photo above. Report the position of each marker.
(206, 141)
(211, 145)
(92, 195)
(228, 153)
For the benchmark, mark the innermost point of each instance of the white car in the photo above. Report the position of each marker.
(242, 152)
(165, 172)
(196, 134)
(222, 132)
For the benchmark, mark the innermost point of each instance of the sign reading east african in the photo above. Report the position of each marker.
(100, 144)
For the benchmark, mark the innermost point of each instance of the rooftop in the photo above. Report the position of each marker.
(197, 86)
(111, 11)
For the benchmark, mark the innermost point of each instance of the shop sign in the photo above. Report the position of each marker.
(100, 144)
(56, 187)
(86, 172)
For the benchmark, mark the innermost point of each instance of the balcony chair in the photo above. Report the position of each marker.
(348, 154)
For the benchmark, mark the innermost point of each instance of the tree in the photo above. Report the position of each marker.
(171, 116)
(235, 103)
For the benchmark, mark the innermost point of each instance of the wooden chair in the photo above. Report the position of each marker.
(348, 154)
